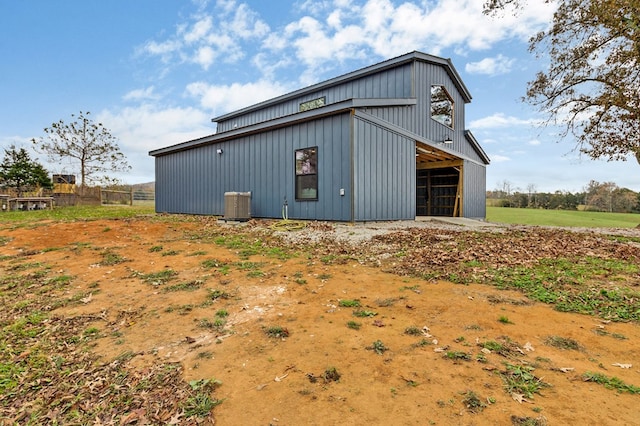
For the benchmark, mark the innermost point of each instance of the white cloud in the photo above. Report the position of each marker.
(534, 142)
(490, 66)
(220, 99)
(140, 94)
(500, 120)
(498, 158)
(328, 34)
(385, 28)
(204, 38)
(205, 57)
(146, 127)
(199, 30)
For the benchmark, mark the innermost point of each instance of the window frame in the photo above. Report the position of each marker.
(300, 173)
(447, 98)
(312, 104)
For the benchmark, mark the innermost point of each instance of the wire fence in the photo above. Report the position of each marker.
(72, 195)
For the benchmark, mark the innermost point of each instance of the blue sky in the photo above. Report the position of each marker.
(155, 72)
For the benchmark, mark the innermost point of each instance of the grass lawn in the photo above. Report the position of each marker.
(77, 213)
(562, 218)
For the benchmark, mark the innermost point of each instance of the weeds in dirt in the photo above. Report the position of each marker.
(204, 355)
(504, 347)
(457, 356)
(385, 303)
(110, 258)
(298, 278)
(216, 325)
(492, 345)
(472, 402)
(571, 291)
(201, 403)
(155, 249)
(414, 288)
(413, 331)
(610, 382)
(562, 343)
(222, 313)
(215, 294)
(276, 331)
(528, 421)
(519, 379)
(186, 286)
(354, 325)
(422, 343)
(40, 352)
(378, 347)
(619, 336)
(331, 375)
(157, 278)
(213, 263)
(505, 320)
(363, 313)
(349, 303)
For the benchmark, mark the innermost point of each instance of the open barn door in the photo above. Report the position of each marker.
(438, 182)
(438, 192)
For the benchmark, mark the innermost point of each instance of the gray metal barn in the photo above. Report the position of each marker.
(386, 142)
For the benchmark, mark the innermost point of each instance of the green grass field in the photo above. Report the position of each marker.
(494, 214)
(562, 218)
(77, 213)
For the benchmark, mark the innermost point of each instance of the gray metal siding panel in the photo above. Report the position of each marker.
(474, 198)
(384, 174)
(392, 83)
(401, 116)
(195, 181)
(427, 75)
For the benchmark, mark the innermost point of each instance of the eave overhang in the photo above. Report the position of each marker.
(332, 109)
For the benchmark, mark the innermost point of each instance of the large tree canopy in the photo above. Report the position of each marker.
(19, 172)
(91, 145)
(592, 85)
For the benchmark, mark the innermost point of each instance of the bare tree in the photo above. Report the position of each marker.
(90, 144)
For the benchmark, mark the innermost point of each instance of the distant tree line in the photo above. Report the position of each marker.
(596, 196)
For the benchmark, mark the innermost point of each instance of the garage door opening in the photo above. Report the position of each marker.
(438, 192)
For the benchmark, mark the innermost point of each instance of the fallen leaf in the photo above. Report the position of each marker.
(566, 369)
(518, 397)
(175, 420)
(279, 379)
(133, 417)
(528, 347)
(617, 364)
(87, 299)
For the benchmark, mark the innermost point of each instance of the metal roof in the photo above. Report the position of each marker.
(390, 63)
(331, 109)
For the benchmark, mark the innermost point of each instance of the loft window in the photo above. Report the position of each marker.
(307, 174)
(441, 106)
(312, 104)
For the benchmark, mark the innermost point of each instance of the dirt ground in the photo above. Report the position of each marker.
(404, 366)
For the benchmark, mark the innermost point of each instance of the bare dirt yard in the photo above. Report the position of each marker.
(184, 320)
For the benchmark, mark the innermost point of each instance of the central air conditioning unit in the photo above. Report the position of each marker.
(237, 206)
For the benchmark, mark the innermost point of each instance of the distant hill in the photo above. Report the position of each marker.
(148, 186)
